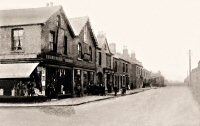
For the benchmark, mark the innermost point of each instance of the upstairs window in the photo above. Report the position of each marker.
(126, 68)
(65, 45)
(85, 34)
(18, 37)
(108, 61)
(123, 67)
(100, 59)
(90, 52)
(58, 21)
(79, 50)
(52, 43)
(115, 66)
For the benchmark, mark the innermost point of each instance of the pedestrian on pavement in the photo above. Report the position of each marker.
(115, 90)
(123, 89)
(79, 90)
(103, 90)
(100, 89)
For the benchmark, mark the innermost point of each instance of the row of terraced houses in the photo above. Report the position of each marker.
(41, 50)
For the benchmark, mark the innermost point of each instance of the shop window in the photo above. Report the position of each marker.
(79, 51)
(77, 77)
(17, 39)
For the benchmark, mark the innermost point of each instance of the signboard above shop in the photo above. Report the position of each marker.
(58, 58)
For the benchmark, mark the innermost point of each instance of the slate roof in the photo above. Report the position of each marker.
(27, 16)
(78, 23)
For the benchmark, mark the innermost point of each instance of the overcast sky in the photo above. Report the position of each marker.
(160, 32)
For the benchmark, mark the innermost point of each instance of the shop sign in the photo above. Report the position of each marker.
(59, 58)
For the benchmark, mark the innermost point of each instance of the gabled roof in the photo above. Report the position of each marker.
(78, 23)
(27, 16)
(102, 41)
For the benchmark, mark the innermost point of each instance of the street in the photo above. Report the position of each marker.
(169, 106)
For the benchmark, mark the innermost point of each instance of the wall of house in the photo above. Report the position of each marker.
(85, 50)
(51, 25)
(31, 44)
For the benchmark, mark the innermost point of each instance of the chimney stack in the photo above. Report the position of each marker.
(125, 51)
(133, 55)
(51, 4)
(47, 4)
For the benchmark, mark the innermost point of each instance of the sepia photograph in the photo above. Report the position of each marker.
(100, 63)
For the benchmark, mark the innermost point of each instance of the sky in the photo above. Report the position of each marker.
(160, 32)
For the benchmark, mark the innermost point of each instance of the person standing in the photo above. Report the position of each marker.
(115, 90)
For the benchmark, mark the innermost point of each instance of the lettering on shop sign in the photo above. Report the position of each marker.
(58, 58)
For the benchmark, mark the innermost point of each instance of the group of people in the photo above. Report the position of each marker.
(90, 89)
(99, 89)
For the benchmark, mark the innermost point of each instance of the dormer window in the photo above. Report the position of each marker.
(17, 39)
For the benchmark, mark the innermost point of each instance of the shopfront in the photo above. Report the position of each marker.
(20, 79)
(58, 81)
(82, 80)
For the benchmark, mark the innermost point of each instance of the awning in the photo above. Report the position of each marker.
(17, 70)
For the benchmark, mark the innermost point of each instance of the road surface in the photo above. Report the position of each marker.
(170, 106)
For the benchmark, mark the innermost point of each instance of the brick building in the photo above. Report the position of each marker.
(121, 66)
(36, 51)
(136, 72)
(103, 64)
(84, 54)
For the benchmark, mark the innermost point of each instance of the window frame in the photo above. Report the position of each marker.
(100, 59)
(58, 21)
(65, 44)
(90, 52)
(79, 50)
(52, 41)
(19, 38)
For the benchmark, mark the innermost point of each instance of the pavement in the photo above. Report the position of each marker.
(75, 101)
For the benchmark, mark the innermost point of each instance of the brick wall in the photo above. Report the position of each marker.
(85, 49)
(50, 25)
(30, 43)
(36, 39)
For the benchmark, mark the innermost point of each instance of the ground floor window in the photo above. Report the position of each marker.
(83, 80)
(58, 81)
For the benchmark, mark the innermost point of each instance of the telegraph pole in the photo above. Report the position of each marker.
(189, 68)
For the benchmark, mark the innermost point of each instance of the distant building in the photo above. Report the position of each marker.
(158, 79)
(104, 71)
(195, 76)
